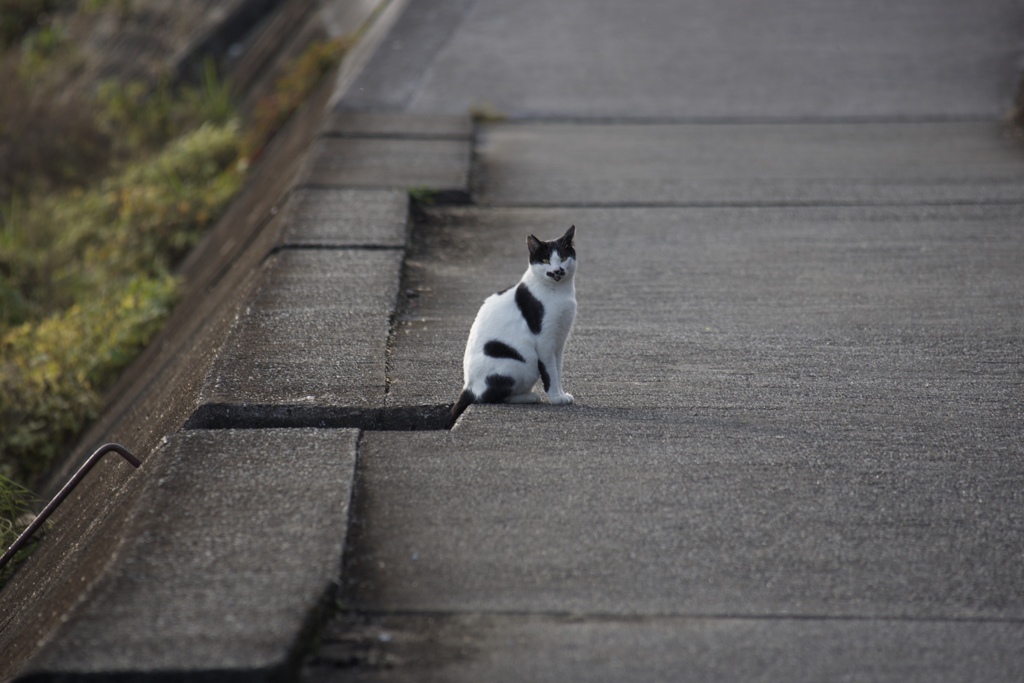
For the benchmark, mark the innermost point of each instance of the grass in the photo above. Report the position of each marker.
(100, 198)
(141, 117)
(90, 275)
(19, 17)
(48, 139)
(15, 514)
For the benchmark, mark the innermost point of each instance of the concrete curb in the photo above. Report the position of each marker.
(215, 557)
(234, 546)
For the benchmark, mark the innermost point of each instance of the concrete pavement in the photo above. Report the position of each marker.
(189, 593)
(699, 59)
(795, 453)
(215, 558)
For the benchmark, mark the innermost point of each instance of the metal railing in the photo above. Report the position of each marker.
(63, 493)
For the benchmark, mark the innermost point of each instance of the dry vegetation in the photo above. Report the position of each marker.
(102, 191)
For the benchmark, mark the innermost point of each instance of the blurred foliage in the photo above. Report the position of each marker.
(50, 138)
(291, 89)
(15, 515)
(18, 17)
(144, 218)
(14, 505)
(54, 371)
(88, 277)
(102, 192)
(138, 116)
(123, 8)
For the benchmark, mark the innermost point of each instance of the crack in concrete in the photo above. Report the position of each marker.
(216, 416)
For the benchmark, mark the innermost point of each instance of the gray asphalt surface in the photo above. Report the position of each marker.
(712, 59)
(796, 451)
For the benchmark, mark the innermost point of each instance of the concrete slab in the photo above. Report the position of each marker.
(345, 218)
(154, 397)
(700, 59)
(783, 414)
(428, 164)
(313, 336)
(908, 311)
(766, 164)
(418, 33)
(796, 447)
(657, 513)
(487, 647)
(231, 550)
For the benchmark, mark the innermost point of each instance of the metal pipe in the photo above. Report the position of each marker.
(63, 493)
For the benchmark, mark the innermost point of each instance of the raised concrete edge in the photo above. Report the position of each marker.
(235, 543)
(115, 498)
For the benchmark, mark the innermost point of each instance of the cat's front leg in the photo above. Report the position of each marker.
(563, 395)
(551, 374)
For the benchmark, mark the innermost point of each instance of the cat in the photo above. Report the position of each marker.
(519, 334)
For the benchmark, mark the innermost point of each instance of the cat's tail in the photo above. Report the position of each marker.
(466, 398)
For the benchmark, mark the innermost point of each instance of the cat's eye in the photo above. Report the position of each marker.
(546, 261)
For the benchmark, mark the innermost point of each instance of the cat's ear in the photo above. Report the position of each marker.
(533, 244)
(568, 236)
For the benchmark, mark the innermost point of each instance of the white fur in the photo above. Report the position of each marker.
(500, 319)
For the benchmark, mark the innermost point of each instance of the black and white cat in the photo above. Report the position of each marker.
(519, 334)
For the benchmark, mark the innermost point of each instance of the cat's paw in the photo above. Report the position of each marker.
(560, 399)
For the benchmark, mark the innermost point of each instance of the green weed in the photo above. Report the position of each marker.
(49, 138)
(95, 266)
(139, 117)
(99, 198)
(18, 17)
(15, 515)
(424, 196)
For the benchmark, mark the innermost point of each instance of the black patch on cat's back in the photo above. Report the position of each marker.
(544, 377)
(531, 308)
(497, 349)
(499, 388)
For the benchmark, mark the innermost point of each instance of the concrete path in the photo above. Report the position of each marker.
(797, 451)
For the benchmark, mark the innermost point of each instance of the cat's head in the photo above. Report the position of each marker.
(553, 261)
